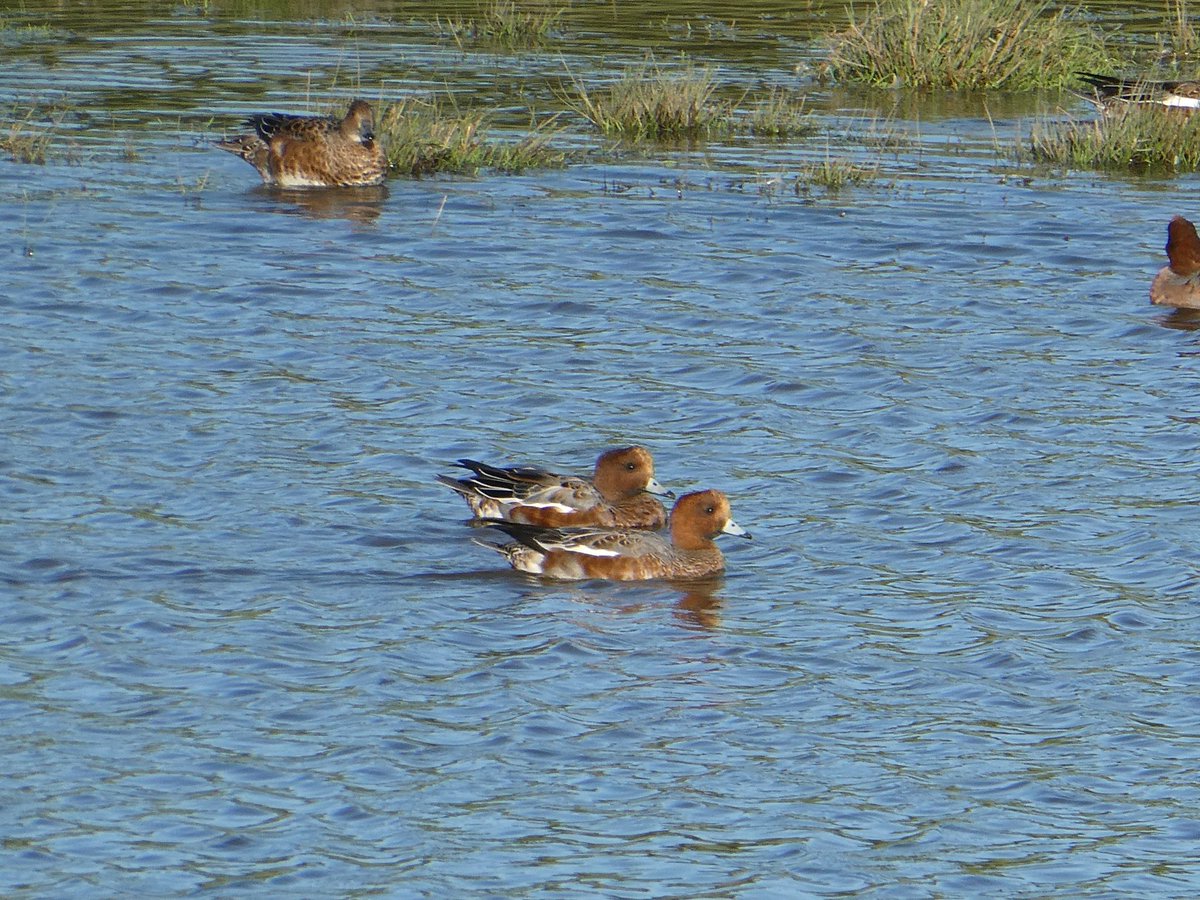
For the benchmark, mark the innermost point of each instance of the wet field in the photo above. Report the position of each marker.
(248, 647)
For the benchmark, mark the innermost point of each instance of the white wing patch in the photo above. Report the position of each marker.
(289, 180)
(586, 549)
(529, 564)
(557, 507)
(1182, 102)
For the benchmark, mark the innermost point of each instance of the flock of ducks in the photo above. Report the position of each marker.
(606, 526)
(611, 524)
(563, 526)
(315, 151)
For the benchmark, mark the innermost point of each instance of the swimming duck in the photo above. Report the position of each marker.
(625, 555)
(1178, 283)
(313, 151)
(617, 495)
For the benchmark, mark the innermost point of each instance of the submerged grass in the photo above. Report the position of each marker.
(1133, 138)
(505, 22)
(426, 136)
(27, 134)
(834, 174)
(1013, 44)
(15, 33)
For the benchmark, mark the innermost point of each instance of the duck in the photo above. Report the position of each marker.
(622, 554)
(1178, 283)
(617, 495)
(313, 151)
(1109, 90)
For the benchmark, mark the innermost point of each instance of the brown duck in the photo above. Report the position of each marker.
(1176, 283)
(626, 555)
(617, 495)
(313, 151)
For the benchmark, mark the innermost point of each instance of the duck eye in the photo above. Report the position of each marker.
(630, 466)
(710, 509)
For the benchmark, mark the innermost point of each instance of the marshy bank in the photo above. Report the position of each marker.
(679, 80)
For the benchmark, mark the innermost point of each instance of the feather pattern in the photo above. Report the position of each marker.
(313, 151)
(616, 496)
(626, 555)
(1109, 90)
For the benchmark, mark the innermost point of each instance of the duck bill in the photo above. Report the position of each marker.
(653, 487)
(732, 527)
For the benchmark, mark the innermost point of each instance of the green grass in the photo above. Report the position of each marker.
(1182, 37)
(779, 115)
(649, 103)
(834, 175)
(1133, 138)
(966, 44)
(505, 22)
(427, 136)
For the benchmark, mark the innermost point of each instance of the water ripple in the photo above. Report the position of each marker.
(250, 647)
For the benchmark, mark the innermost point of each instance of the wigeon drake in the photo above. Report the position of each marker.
(313, 151)
(1110, 91)
(576, 553)
(1178, 284)
(616, 496)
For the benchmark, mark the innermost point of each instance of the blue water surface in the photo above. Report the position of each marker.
(248, 647)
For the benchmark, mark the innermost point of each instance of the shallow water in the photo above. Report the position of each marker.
(249, 647)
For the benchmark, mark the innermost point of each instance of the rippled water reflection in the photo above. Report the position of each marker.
(249, 648)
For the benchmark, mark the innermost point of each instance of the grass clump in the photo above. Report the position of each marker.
(27, 135)
(14, 33)
(781, 114)
(833, 175)
(647, 103)
(1133, 138)
(506, 22)
(427, 136)
(957, 44)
